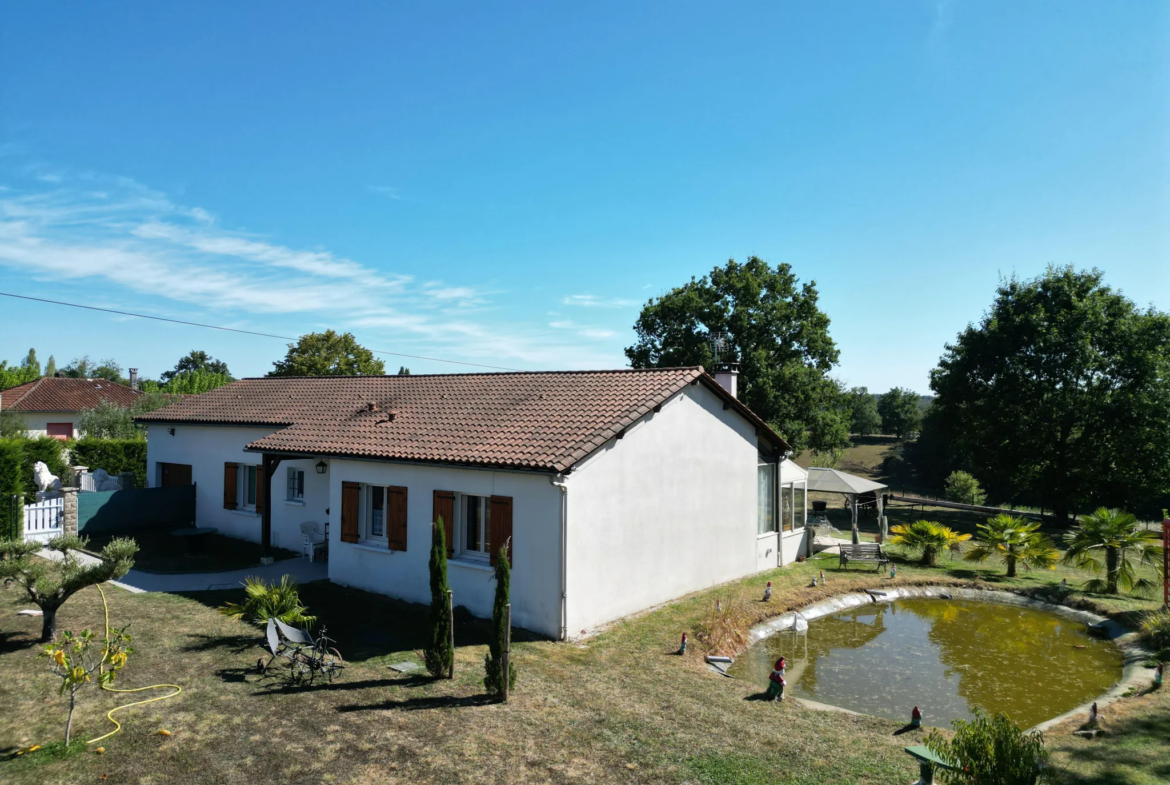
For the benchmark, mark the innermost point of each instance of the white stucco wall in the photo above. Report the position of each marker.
(669, 509)
(536, 516)
(206, 449)
(37, 422)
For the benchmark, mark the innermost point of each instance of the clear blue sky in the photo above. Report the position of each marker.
(506, 184)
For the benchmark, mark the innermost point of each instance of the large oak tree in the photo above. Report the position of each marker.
(1060, 396)
(773, 329)
(328, 354)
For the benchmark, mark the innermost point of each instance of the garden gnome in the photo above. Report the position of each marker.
(1063, 585)
(916, 718)
(814, 583)
(682, 649)
(822, 577)
(768, 592)
(776, 682)
(719, 606)
(893, 571)
(1158, 674)
(1093, 713)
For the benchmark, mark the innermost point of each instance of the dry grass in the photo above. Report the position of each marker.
(617, 708)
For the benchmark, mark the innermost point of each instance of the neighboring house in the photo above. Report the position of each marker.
(615, 490)
(52, 405)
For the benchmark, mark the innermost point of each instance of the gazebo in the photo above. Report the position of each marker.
(850, 486)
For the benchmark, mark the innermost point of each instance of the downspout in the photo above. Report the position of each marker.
(559, 482)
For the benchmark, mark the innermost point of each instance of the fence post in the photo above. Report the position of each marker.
(69, 511)
(506, 657)
(451, 630)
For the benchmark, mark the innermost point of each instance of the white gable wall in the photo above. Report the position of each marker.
(668, 509)
(37, 423)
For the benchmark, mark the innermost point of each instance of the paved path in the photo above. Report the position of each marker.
(138, 581)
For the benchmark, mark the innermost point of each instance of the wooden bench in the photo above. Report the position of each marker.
(927, 763)
(869, 552)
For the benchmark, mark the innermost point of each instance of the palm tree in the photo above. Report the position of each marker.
(930, 537)
(1115, 534)
(1015, 541)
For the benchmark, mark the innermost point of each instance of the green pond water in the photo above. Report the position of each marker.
(944, 656)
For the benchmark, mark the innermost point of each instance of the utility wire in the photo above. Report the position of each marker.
(243, 332)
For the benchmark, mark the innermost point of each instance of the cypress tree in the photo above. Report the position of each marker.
(51, 367)
(439, 655)
(492, 661)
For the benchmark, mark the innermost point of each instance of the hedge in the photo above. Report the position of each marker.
(11, 464)
(113, 455)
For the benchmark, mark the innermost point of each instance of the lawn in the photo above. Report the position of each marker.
(618, 707)
(158, 551)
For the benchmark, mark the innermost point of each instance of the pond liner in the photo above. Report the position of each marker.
(1134, 674)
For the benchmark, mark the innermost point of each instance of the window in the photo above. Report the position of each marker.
(766, 486)
(786, 507)
(296, 485)
(474, 521)
(248, 486)
(799, 505)
(376, 512)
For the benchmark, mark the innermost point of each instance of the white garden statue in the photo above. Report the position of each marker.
(46, 480)
(102, 481)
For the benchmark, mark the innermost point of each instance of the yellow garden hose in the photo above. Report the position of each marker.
(110, 714)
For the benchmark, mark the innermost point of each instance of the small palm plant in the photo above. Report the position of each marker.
(1014, 541)
(264, 601)
(930, 537)
(1114, 534)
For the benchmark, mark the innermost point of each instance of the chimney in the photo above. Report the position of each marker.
(727, 374)
(133, 378)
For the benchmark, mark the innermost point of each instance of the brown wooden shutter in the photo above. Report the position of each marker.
(396, 518)
(260, 480)
(230, 470)
(351, 493)
(501, 527)
(445, 511)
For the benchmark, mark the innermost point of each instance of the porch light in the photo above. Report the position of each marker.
(321, 467)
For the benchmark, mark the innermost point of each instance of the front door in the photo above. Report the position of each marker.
(175, 474)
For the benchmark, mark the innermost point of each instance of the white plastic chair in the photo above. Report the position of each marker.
(312, 538)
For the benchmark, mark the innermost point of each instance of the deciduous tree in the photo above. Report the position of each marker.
(1058, 397)
(772, 327)
(328, 354)
(900, 411)
(863, 412)
(196, 361)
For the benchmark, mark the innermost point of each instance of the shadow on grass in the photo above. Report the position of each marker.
(422, 703)
(236, 644)
(281, 684)
(1112, 757)
(15, 641)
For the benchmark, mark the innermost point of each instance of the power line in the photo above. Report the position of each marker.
(243, 332)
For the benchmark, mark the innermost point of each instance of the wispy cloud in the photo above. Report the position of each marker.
(592, 301)
(115, 231)
(388, 191)
(584, 330)
(944, 17)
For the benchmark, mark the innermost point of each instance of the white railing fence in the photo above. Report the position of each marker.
(44, 520)
(87, 484)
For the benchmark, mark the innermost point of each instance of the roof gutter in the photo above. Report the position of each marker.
(405, 462)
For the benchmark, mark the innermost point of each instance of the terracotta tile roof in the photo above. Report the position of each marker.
(63, 394)
(542, 421)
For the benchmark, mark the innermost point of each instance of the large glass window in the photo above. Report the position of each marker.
(799, 505)
(766, 489)
(475, 526)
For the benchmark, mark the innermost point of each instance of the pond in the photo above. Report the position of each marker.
(944, 656)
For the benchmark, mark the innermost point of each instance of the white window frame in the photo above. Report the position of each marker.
(244, 469)
(460, 528)
(367, 515)
(295, 482)
(774, 470)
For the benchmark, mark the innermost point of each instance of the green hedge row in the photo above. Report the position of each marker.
(11, 465)
(113, 455)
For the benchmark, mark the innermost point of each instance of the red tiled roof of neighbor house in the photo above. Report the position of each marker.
(64, 394)
(541, 421)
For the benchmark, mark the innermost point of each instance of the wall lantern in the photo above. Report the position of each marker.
(322, 467)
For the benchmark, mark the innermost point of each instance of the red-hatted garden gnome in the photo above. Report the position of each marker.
(776, 682)
(768, 592)
(682, 647)
(916, 718)
(1158, 674)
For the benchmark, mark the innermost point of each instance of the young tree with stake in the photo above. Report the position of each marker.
(440, 654)
(497, 661)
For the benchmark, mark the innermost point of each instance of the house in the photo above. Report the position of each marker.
(52, 405)
(614, 490)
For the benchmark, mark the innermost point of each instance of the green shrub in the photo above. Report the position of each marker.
(11, 466)
(990, 750)
(493, 662)
(264, 601)
(963, 488)
(438, 655)
(1156, 629)
(52, 452)
(113, 455)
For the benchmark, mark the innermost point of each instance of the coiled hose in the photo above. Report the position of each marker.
(110, 714)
